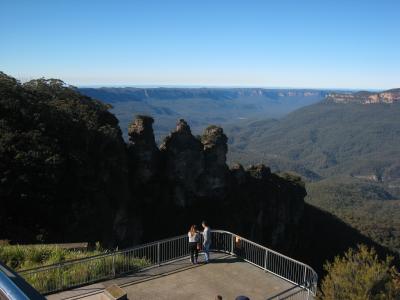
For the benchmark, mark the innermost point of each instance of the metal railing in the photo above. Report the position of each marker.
(78, 272)
(302, 276)
(13, 287)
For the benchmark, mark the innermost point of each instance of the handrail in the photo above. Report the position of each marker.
(97, 256)
(10, 289)
(251, 242)
(65, 275)
(301, 275)
(13, 287)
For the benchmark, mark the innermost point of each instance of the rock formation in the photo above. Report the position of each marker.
(216, 171)
(184, 163)
(187, 180)
(143, 149)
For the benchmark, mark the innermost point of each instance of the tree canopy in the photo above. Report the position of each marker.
(360, 275)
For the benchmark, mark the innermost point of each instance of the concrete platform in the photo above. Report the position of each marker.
(225, 275)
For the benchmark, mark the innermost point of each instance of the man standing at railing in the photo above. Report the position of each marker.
(206, 241)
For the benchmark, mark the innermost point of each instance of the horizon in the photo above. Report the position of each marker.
(307, 45)
(195, 86)
(95, 86)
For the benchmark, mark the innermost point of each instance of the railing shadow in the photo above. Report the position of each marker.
(295, 292)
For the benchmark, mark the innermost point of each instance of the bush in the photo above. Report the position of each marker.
(360, 275)
(20, 257)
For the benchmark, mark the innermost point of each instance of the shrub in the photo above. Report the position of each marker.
(360, 275)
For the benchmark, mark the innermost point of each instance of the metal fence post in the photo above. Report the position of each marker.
(265, 260)
(113, 265)
(305, 275)
(158, 254)
(232, 243)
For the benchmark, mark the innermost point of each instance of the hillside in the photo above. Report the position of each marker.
(349, 153)
(329, 138)
(62, 163)
(202, 106)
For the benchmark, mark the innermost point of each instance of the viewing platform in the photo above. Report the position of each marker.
(162, 270)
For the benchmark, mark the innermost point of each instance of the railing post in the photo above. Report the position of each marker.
(232, 244)
(305, 275)
(158, 254)
(265, 260)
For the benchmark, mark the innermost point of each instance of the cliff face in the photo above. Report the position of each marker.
(389, 96)
(187, 180)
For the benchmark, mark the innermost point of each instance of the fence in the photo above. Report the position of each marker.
(303, 277)
(74, 273)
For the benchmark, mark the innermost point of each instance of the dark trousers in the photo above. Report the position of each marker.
(194, 252)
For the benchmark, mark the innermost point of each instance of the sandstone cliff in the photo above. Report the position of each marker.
(187, 179)
(389, 96)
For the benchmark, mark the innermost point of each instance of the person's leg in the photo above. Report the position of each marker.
(196, 254)
(191, 252)
(206, 252)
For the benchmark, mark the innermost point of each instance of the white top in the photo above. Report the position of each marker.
(207, 235)
(193, 238)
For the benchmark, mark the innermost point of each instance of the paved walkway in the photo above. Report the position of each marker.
(225, 275)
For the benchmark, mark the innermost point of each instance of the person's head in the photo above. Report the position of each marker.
(193, 229)
(242, 298)
(218, 297)
(204, 224)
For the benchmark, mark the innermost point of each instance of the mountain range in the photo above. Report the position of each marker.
(201, 106)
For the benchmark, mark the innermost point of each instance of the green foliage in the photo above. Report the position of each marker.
(329, 139)
(360, 275)
(26, 257)
(292, 177)
(63, 161)
(365, 206)
(19, 257)
(74, 274)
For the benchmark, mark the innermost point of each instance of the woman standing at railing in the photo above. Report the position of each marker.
(194, 238)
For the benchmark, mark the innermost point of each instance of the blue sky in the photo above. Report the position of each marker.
(324, 43)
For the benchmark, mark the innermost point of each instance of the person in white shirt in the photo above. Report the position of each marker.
(194, 238)
(206, 241)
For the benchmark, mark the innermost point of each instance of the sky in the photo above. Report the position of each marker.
(298, 43)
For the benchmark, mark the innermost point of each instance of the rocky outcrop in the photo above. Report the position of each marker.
(184, 163)
(143, 149)
(215, 148)
(187, 180)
